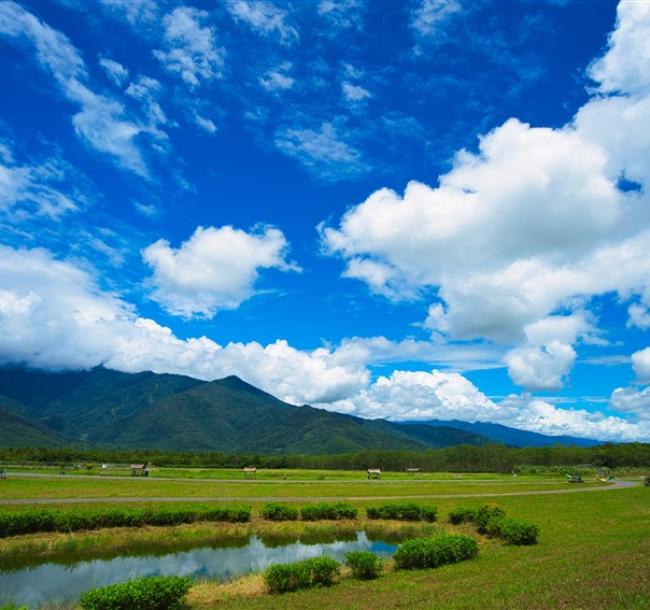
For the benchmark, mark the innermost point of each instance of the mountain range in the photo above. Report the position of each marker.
(107, 408)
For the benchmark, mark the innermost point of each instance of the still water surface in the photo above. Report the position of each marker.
(54, 582)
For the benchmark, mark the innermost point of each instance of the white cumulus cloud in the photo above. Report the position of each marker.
(216, 268)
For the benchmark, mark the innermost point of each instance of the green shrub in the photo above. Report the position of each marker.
(485, 513)
(434, 552)
(285, 577)
(322, 510)
(462, 514)
(274, 511)
(514, 531)
(158, 593)
(404, 511)
(323, 570)
(364, 564)
(14, 523)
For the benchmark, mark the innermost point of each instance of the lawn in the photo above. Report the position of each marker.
(81, 487)
(593, 551)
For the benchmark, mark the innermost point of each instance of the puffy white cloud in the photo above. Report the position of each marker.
(624, 67)
(407, 395)
(632, 400)
(101, 122)
(542, 367)
(641, 364)
(265, 18)
(114, 70)
(54, 315)
(191, 49)
(497, 237)
(430, 15)
(215, 269)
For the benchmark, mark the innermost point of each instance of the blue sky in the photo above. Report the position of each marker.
(413, 210)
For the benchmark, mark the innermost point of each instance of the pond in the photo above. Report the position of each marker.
(56, 582)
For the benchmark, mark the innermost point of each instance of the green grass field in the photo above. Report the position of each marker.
(593, 551)
(83, 487)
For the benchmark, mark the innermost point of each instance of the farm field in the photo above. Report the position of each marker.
(593, 550)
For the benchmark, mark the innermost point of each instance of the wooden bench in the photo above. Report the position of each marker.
(250, 472)
(413, 470)
(374, 473)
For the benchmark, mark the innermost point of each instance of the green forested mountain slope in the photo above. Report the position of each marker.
(102, 407)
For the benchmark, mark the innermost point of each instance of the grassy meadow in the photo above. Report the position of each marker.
(593, 550)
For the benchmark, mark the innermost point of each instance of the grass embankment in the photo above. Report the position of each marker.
(55, 488)
(69, 548)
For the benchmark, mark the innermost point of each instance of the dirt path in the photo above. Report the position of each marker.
(569, 490)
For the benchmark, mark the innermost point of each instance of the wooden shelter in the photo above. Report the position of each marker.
(250, 471)
(139, 470)
(374, 473)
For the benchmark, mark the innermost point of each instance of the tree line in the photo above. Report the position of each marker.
(460, 458)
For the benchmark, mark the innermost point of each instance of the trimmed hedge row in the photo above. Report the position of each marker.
(315, 572)
(404, 511)
(14, 523)
(157, 593)
(274, 511)
(492, 520)
(433, 552)
(322, 510)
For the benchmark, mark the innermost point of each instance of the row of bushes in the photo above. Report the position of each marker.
(274, 511)
(405, 511)
(492, 520)
(320, 571)
(14, 523)
(153, 593)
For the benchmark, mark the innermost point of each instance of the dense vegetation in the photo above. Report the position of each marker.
(14, 523)
(402, 511)
(488, 458)
(155, 593)
(315, 572)
(492, 520)
(436, 551)
(364, 565)
(323, 510)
